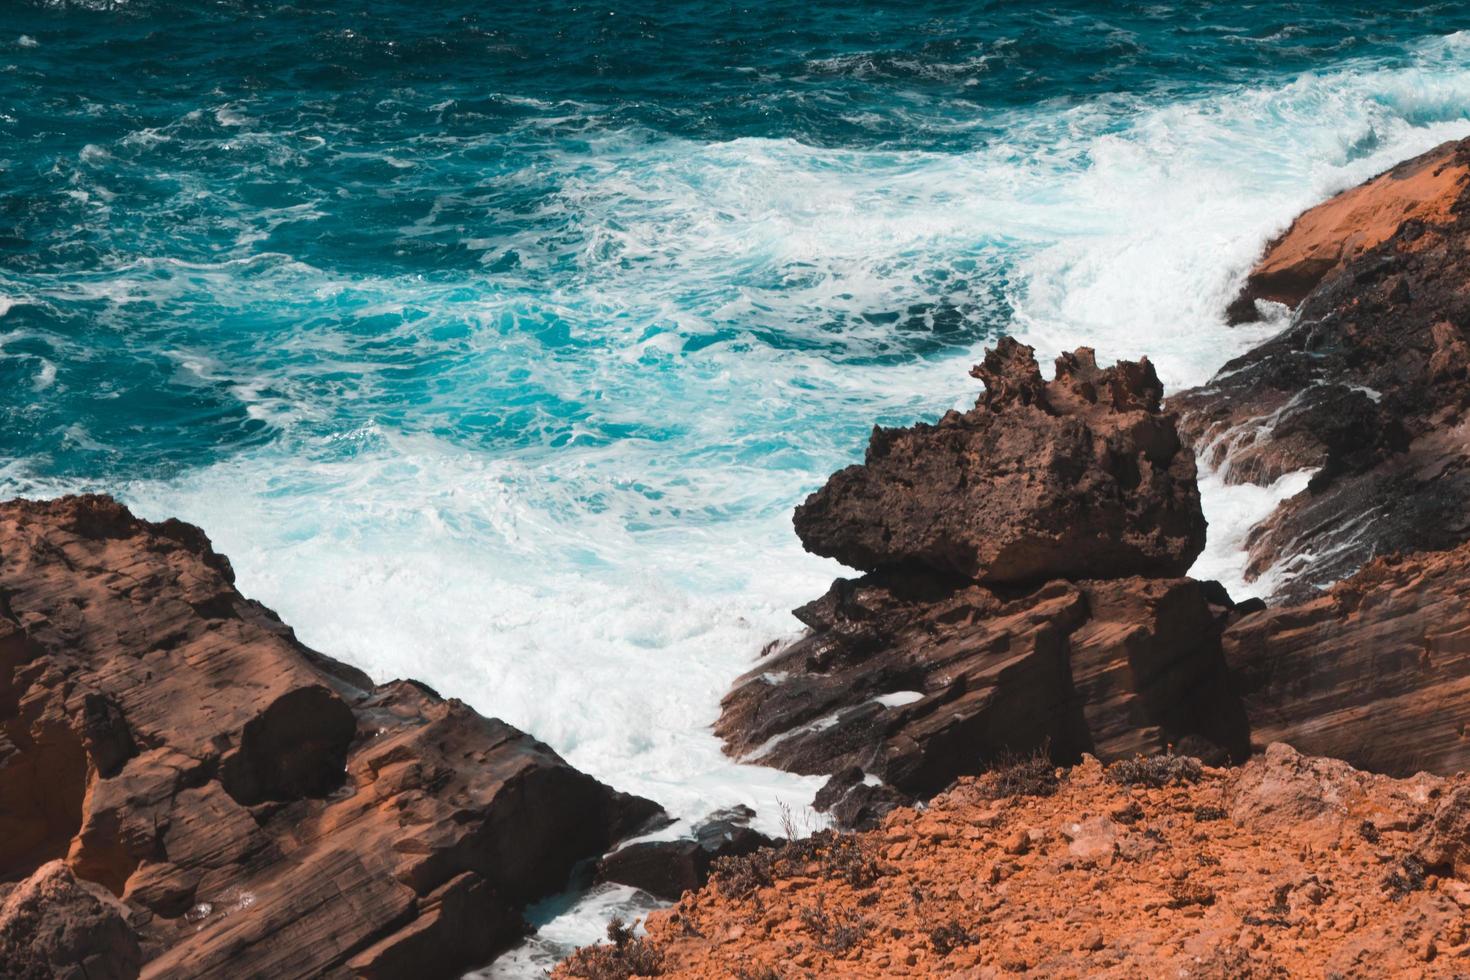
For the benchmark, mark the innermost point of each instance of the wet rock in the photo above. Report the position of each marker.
(915, 685)
(54, 926)
(667, 869)
(1080, 477)
(267, 810)
(1367, 388)
(855, 801)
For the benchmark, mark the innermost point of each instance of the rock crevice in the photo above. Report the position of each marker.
(260, 809)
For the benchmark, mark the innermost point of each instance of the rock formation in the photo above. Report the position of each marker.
(1082, 477)
(1376, 671)
(668, 868)
(261, 809)
(52, 925)
(1368, 387)
(1008, 609)
(1288, 866)
(1325, 238)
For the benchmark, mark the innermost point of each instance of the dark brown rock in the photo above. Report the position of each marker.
(265, 810)
(54, 927)
(1082, 477)
(1368, 387)
(915, 682)
(667, 869)
(1376, 671)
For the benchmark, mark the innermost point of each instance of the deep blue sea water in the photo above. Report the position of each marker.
(495, 342)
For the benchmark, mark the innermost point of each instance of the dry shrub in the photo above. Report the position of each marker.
(1031, 774)
(837, 857)
(1156, 771)
(628, 956)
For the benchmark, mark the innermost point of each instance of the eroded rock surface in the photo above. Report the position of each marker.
(1289, 866)
(1368, 388)
(1376, 671)
(1025, 596)
(54, 927)
(1080, 477)
(262, 809)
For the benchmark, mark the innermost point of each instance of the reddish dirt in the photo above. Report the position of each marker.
(1290, 866)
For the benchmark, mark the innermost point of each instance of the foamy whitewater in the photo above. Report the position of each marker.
(504, 372)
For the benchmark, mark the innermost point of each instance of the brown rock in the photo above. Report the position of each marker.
(1368, 387)
(54, 926)
(1376, 671)
(918, 683)
(1082, 477)
(1325, 238)
(274, 812)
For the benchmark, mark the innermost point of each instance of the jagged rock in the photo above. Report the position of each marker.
(1325, 238)
(915, 682)
(54, 927)
(1082, 477)
(1376, 671)
(667, 869)
(854, 801)
(267, 810)
(1368, 387)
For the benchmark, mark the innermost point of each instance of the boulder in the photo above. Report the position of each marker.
(54, 926)
(265, 810)
(1080, 477)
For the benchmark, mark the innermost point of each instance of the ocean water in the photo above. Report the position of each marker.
(495, 343)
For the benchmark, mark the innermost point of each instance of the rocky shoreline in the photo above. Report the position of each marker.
(1025, 597)
(189, 787)
(187, 790)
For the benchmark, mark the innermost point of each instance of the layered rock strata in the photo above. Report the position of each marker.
(1367, 388)
(260, 809)
(1376, 671)
(1024, 595)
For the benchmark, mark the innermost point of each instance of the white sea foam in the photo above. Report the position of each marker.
(604, 595)
(1232, 510)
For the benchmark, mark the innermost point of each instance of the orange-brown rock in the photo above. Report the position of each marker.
(262, 809)
(1368, 388)
(1289, 866)
(1325, 238)
(1080, 477)
(1375, 671)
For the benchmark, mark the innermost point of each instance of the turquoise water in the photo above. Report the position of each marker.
(495, 343)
